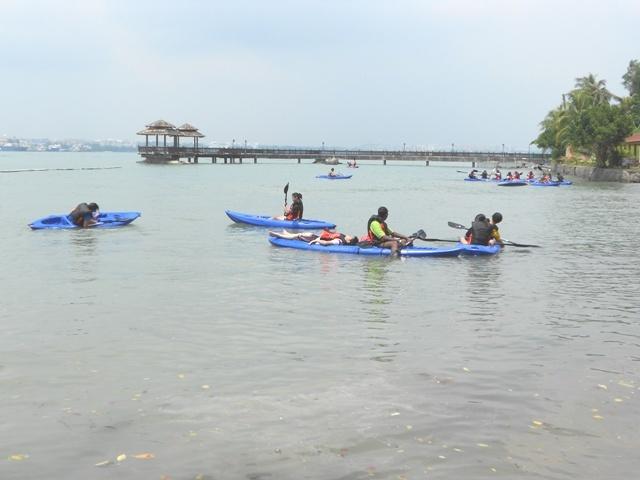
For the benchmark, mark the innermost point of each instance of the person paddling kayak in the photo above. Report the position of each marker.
(380, 235)
(483, 231)
(85, 214)
(293, 211)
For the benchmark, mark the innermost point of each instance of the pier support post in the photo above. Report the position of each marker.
(213, 159)
(473, 164)
(298, 160)
(384, 162)
(225, 160)
(426, 163)
(240, 158)
(255, 159)
(195, 159)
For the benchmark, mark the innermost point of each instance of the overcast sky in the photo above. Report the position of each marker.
(352, 73)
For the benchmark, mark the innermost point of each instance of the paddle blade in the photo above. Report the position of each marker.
(457, 225)
(286, 188)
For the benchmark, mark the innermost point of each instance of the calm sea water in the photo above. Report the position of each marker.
(189, 341)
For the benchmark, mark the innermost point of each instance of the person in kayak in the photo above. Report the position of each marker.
(531, 175)
(472, 173)
(332, 172)
(484, 174)
(327, 237)
(516, 175)
(380, 235)
(509, 176)
(85, 214)
(293, 211)
(483, 231)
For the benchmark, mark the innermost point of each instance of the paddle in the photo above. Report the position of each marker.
(504, 240)
(286, 190)
(421, 235)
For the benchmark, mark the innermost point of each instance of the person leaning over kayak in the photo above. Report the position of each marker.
(325, 238)
(483, 231)
(85, 214)
(293, 211)
(380, 235)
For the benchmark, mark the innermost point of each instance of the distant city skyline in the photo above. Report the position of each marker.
(467, 74)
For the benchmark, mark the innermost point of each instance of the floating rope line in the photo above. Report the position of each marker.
(55, 169)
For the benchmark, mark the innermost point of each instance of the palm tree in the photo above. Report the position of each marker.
(593, 89)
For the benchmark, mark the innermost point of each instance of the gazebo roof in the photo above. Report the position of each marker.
(188, 130)
(159, 127)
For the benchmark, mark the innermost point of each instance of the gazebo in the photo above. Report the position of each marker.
(157, 128)
(634, 145)
(188, 130)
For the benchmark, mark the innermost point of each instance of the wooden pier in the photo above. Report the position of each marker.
(164, 154)
(172, 151)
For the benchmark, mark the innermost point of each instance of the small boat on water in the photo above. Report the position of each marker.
(334, 177)
(452, 251)
(105, 220)
(267, 221)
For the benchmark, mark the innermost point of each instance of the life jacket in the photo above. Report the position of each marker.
(516, 175)
(295, 212)
(481, 232)
(370, 237)
(327, 235)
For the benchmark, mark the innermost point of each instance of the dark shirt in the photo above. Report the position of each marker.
(80, 214)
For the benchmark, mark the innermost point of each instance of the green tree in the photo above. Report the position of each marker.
(631, 79)
(591, 90)
(600, 129)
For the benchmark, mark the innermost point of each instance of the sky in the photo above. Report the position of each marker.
(475, 74)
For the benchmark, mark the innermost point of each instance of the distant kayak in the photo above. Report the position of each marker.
(544, 184)
(266, 221)
(512, 183)
(370, 251)
(334, 177)
(105, 220)
(479, 249)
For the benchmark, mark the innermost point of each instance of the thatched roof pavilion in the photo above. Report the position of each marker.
(166, 129)
(188, 130)
(157, 128)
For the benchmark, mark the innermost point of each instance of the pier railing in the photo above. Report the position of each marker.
(175, 153)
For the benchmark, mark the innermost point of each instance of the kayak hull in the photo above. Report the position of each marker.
(105, 219)
(266, 221)
(334, 177)
(370, 251)
(512, 183)
(544, 184)
(478, 250)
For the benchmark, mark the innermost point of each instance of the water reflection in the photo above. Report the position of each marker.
(484, 288)
(84, 255)
(376, 302)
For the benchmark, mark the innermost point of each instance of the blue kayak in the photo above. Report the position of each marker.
(370, 251)
(266, 221)
(334, 177)
(566, 182)
(105, 220)
(512, 183)
(544, 184)
(478, 249)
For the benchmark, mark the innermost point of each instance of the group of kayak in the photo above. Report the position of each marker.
(516, 178)
(482, 238)
(379, 240)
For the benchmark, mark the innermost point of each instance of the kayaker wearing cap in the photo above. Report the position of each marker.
(85, 214)
(380, 235)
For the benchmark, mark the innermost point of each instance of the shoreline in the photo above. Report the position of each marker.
(595, 174)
